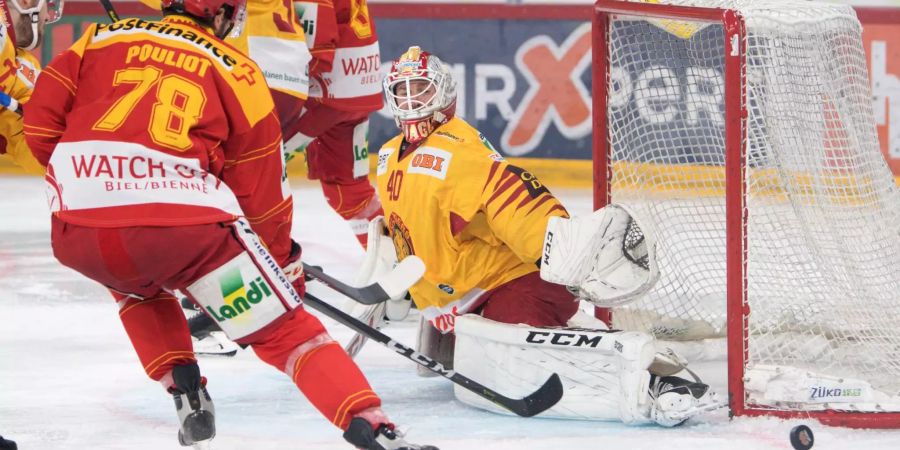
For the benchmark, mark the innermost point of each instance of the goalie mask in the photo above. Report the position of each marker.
(421, 93)
(34, 16)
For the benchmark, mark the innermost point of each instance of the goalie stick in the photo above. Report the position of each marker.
(393, 285)
(535, 403)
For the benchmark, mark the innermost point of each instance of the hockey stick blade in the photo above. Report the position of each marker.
(538, 401)
(390, 286)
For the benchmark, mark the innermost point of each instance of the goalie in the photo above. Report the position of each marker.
(500, 251)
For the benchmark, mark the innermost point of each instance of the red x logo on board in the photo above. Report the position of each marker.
(556, 93)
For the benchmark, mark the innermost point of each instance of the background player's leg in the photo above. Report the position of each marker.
(339, 158)
(357, 202)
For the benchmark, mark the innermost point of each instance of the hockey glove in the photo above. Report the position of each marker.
(609, 256)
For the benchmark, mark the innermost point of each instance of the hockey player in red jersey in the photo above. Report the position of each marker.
(500, 251)
(345, 87)
(333, 128)
(164, 169)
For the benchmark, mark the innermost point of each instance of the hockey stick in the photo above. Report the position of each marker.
(110, 10)
(392, 285)
(374, 317)
(538, 401)
(10, 103)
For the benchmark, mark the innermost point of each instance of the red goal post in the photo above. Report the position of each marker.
(733, 186)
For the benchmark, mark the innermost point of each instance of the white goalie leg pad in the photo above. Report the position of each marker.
(604, 373)
(381, 257)
(246, 293)
(609, 255)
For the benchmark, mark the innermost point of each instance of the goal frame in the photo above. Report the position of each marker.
(736, 140)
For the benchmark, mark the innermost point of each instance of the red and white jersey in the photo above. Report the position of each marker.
(146, 123)
(344, 72)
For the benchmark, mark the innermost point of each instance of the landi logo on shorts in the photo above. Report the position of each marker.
(238, 296)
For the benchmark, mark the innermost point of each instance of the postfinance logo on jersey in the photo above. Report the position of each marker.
(167, 31)
(238, 296)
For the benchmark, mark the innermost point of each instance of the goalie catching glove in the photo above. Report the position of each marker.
(608, 257)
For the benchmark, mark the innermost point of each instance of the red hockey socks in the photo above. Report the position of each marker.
(357, 203)
(322, 370)
(333, 383)
(158, 332)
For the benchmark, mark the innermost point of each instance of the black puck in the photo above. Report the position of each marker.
(802, 437)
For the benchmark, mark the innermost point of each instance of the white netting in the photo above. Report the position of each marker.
(823, 227)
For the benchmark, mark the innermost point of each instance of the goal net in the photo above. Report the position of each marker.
(743, 131)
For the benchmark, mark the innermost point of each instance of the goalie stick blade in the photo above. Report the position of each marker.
(405, 274)
(392, 285)
(549, 394)
(542, 399)
(535, 403)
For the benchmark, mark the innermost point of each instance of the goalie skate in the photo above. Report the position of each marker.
(675, 400)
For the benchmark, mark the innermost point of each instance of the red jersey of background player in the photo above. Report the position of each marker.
(344, 71)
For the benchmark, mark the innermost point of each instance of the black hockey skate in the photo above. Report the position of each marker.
(202, 325)
(361, 435)
(195, 409)
(6, 444)
(187, 304)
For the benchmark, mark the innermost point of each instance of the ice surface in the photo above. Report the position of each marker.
(70, 380)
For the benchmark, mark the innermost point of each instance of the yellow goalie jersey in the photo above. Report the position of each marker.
(18, 72)
(475, 220)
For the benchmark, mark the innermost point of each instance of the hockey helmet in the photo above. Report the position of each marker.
(205, 10)
(421, 93)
